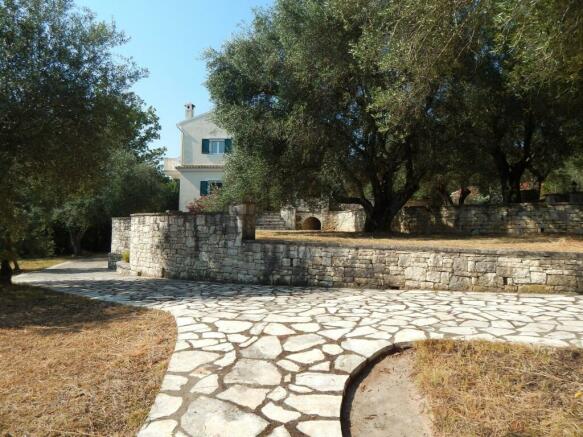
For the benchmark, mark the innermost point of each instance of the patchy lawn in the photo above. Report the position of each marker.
(550, 243)
(32, 264)
(70, 365)
(499, 389)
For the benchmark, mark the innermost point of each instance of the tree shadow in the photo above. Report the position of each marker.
(24, 306)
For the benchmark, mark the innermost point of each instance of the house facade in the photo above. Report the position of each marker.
(200, 166)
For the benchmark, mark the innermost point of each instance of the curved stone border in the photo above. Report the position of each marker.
(366, 365)
(255, 360)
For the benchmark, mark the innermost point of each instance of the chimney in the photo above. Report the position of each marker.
(189, 111)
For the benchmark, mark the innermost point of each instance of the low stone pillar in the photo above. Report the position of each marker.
(120, 240)
(246, 216)
(288, 214)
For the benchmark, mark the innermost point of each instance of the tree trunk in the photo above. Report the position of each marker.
(380, 218)
(5, 272)
(510, 176)
(514, 185)
(464, 193)
(445, 197)
(75, 238)
(17, 268)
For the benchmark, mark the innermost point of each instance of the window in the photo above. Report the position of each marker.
(214, 185)
(207, 187)
(216, 147)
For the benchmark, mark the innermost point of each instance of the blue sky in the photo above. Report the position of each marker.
(168, 37)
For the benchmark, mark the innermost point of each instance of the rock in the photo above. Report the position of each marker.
(308, 357)
(334, 334)
(206, 385)
(332, 349)
(247, 371)
(245, 396)
(173, 382)
(232, 326)
(348, 362)
(208, 417)
(321, 366)
(158, 428)
(278, 329)
(187, 361)
(266, 347)
(366, 348)
(288, 365)
(301, 342)
(320, 405)
(280, 431)
(321, 428)
(321, 381)
(277, 394)
(164, 405)
(306, 327)
(279, 414)
(407, 335)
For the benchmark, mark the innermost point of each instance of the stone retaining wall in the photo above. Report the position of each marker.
(220, 247)
(524, 218)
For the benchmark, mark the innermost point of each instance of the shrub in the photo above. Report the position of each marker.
(210, 203)
(125, 256)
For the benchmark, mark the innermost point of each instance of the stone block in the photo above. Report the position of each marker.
(564, 280)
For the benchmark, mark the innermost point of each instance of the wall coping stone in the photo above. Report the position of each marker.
(542, 204)
(405, 248)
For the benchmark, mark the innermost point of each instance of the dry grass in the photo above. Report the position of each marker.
(496, 389)
(547, 243)
(32, 264)
(74, 366)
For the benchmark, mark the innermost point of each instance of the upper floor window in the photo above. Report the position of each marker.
(216, 146)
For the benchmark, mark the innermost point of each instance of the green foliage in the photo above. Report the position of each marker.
(125, 256)
(368, 101)
(546, 41)
(300, 100)
(561, 180)
(248, 178)
(132, 185)
(65, 110)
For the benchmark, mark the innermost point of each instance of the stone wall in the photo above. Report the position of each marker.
(525, 218)
(414, 268)
(120, 239)
(220, 247)
(345, 221)
(181, 245)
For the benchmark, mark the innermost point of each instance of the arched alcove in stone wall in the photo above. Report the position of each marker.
(312, 224)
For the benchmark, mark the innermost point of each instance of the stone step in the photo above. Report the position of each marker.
(270, 221)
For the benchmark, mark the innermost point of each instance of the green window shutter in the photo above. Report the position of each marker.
(228, 145)
(205, 146)
(204, 187)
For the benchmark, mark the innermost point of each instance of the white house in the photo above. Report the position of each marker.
(200, 166)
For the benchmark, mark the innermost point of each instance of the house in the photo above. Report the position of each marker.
(200, 166)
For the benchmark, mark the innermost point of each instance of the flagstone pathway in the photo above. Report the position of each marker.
(273, 361)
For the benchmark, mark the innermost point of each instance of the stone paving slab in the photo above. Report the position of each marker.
(273, 361)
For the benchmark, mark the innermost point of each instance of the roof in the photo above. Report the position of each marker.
(197, 117)
(207, 166)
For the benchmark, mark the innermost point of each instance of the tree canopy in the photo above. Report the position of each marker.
(364, 101)
(66, 107)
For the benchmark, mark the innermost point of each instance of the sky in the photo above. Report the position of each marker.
(168, 38)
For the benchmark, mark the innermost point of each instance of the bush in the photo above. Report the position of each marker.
(125, 256)
(210, 203)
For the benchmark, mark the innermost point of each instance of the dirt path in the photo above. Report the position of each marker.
(386, 402)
